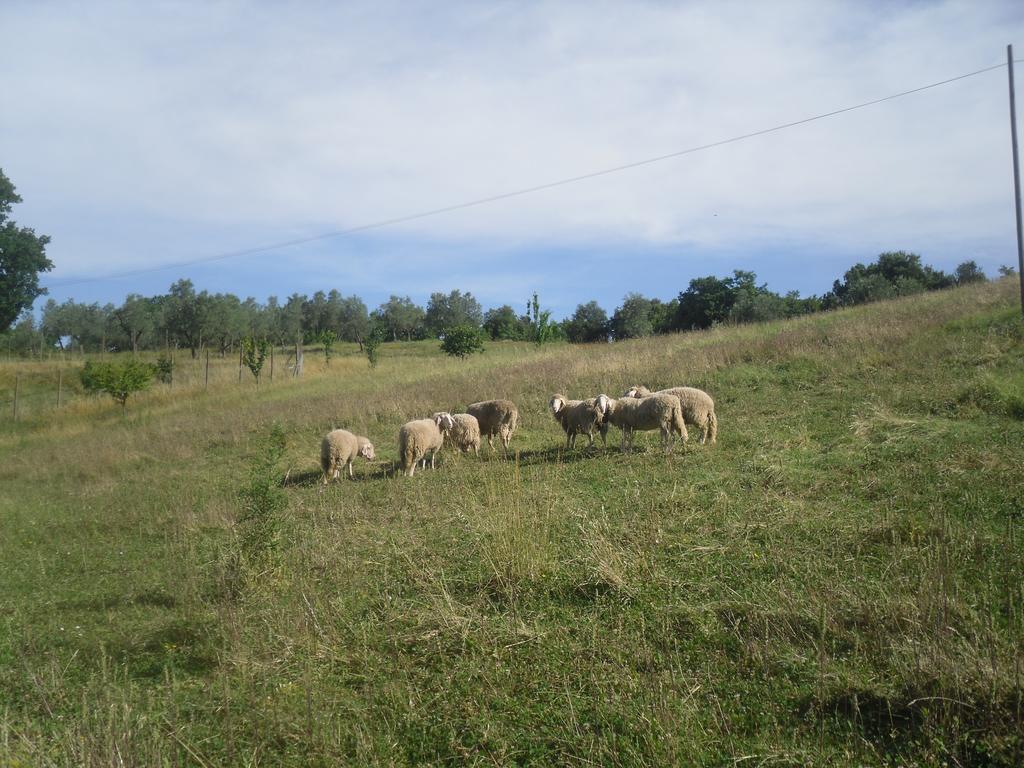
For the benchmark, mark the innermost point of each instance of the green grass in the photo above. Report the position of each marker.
(838, 581)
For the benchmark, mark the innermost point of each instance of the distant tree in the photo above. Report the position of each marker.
(289, 320)
(352, 320)
(588, 323)
(119, 380)
(328, 339)
(504, 323)
(400, 317)
(1006, 270)
(633, 319)
(184, 315)
(446, 311)
(22, 258)
(969, 272)
(371, 345)
(24, 337)
(663, 315)
(894, 273)
(316, 315)
(137, 317)
(706, 301)
(539, 328)
(462, 340)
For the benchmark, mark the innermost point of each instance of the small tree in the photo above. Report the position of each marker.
(462, 340)
(372, 345)
(541, 328)
(119, 380)
(327, 338)
(164, 369)
(254, 354)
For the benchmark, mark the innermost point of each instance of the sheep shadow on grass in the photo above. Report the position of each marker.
(363, 473)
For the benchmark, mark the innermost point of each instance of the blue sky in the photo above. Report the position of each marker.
(157, 133)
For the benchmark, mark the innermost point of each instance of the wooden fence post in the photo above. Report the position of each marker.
(239, 364)
(60, 384)
(17, 388)
(271, 363)
(206, 384)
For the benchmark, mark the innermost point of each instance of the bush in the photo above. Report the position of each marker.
(119, 380)
(462, 340)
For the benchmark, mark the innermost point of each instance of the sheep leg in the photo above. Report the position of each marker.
(351, 474)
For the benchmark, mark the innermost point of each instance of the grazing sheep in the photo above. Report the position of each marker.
(418, 438)
(338, 449)
(698, 408)
(579, 417)
(662, 412)
(465, 432)
(496, 417)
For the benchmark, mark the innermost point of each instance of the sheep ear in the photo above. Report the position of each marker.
(631, 392)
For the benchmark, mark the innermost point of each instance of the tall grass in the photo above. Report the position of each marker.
(837, 582)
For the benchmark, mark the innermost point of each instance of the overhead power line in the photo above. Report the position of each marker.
(517, 192)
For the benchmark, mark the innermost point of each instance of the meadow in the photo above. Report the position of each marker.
(839, 581)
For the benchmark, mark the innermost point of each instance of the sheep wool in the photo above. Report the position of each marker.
(418, 438)
(496, 417)
(338, 448)
(465, 432)
(578, 417)
(659, 411)
(698, 408)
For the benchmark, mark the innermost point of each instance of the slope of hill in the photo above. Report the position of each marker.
(838, 581)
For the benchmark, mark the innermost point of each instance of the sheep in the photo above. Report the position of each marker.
(338, 449)
(579, 417)
(698, 408)
(659, 411)
(496, 417)
(465, 432)
(418, 438)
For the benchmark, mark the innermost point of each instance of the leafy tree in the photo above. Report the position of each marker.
(462, 340)
(633, 319)
(316, 315)
(22, 258)
(503, 323)
(538, 323)
(184, 315)
(1005, 270)
(663, 315)
(454, 309)
(352, 321)
(588, 323)
(25, 337)
(119, 380)
(137, 318)
(254, 355)
(372, 343)
(400, 317)
(894, 273)
(289, 320)
(706, 301)
(328, 338)
(969, 272)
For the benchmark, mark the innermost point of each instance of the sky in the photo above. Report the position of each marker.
(147, 135)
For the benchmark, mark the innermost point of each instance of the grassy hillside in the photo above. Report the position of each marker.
(838, 581)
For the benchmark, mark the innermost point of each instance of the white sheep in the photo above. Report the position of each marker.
(338, 449)
(660, 411)
(579, 417)
(418, 438)
(496, 417)
(465, 432)
(698, 408)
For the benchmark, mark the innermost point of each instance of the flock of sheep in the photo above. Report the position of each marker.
(639, 409)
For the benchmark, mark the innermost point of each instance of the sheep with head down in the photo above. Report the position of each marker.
(418, 438)
(496, 417)
(338, 449)
(659, 411)
(698, 408)
(464, 433)
(579, 417)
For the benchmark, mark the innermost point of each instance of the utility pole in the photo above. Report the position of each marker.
(1016, 175)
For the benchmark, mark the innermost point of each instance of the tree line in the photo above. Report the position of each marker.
(184, 318)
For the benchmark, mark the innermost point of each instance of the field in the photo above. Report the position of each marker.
(837, 582)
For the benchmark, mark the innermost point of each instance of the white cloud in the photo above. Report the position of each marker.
(262, 121)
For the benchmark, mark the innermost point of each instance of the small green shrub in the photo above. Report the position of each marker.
(462, 340)
(119, 380)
